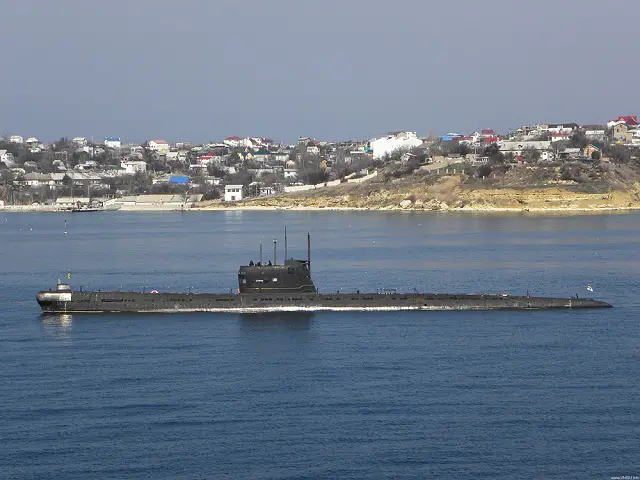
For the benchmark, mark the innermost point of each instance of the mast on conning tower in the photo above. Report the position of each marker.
(309, 251)
(275, 243)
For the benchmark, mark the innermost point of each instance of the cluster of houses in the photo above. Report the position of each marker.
(259, 157)
(554, 141)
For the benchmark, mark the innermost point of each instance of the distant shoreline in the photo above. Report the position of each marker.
(299, 208)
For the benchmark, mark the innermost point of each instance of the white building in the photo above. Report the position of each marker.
(160, 146)
(91, 150)
(7, 158)
(562, 128)
(281, 157)
(232, 193)
(595, 133)
(290, 173)
(131, 167)
(16, 139)
(392, 142)
(35, 180)
(113, 142)
(233, 141)
(79, 142)
(88, 165)
(32, 141)
(520, 148)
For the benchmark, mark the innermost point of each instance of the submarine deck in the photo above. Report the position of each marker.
(114, 302)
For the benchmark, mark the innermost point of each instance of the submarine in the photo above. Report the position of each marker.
(288, 287)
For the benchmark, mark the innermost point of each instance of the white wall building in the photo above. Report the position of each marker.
(290, 173)
(520, 148)
(559, 128)
(16, 139)
(7, 158)
(160, 146)
(131, 167)
(232, 193)
(595, 133)
(113, 142)
(79, 142)
(233, 141)
(392, 142)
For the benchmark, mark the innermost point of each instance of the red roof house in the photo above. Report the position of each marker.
(629, 119)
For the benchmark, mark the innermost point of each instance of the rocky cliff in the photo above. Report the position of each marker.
(520, 189)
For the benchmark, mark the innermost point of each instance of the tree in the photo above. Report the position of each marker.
(313, 176)
(441, 147)
(78, 157)
(495, 155)
(531, 155)
(620, 154)
(6, 176)
(596, 155)
(483, 171)
(578, 139)
(269, 179)
(61, 144)
(141, 182)
(463, 150)
(243, 177)
(13, 148)
(45, 164)
(215, 171)
(544, 136)
(559, 146)
(211, 194)
(569, 172)
(308, 160)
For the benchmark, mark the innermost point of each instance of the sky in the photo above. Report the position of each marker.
(202, 70)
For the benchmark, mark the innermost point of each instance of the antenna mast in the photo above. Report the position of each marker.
(285, 244)
(309, 251)
(275, 243)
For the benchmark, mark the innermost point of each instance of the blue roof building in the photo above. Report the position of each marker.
(179, 179)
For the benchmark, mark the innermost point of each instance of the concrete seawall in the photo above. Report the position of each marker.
(333, 183)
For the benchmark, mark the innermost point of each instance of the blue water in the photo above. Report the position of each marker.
(462, 395)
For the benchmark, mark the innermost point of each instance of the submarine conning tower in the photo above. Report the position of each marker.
(294, 276)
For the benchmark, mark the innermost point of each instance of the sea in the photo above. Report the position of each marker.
(402, 395)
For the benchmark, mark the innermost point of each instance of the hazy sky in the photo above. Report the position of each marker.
(205, 69)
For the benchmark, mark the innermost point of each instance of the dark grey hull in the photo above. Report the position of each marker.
(115, 302)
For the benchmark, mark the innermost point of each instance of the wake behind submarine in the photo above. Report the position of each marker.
(288, 287)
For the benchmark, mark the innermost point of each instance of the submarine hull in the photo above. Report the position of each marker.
(132, 302)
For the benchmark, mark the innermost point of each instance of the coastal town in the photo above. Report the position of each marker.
(78, 173)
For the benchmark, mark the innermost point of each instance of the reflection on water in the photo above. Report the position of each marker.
(58, 326)
(277, 320)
